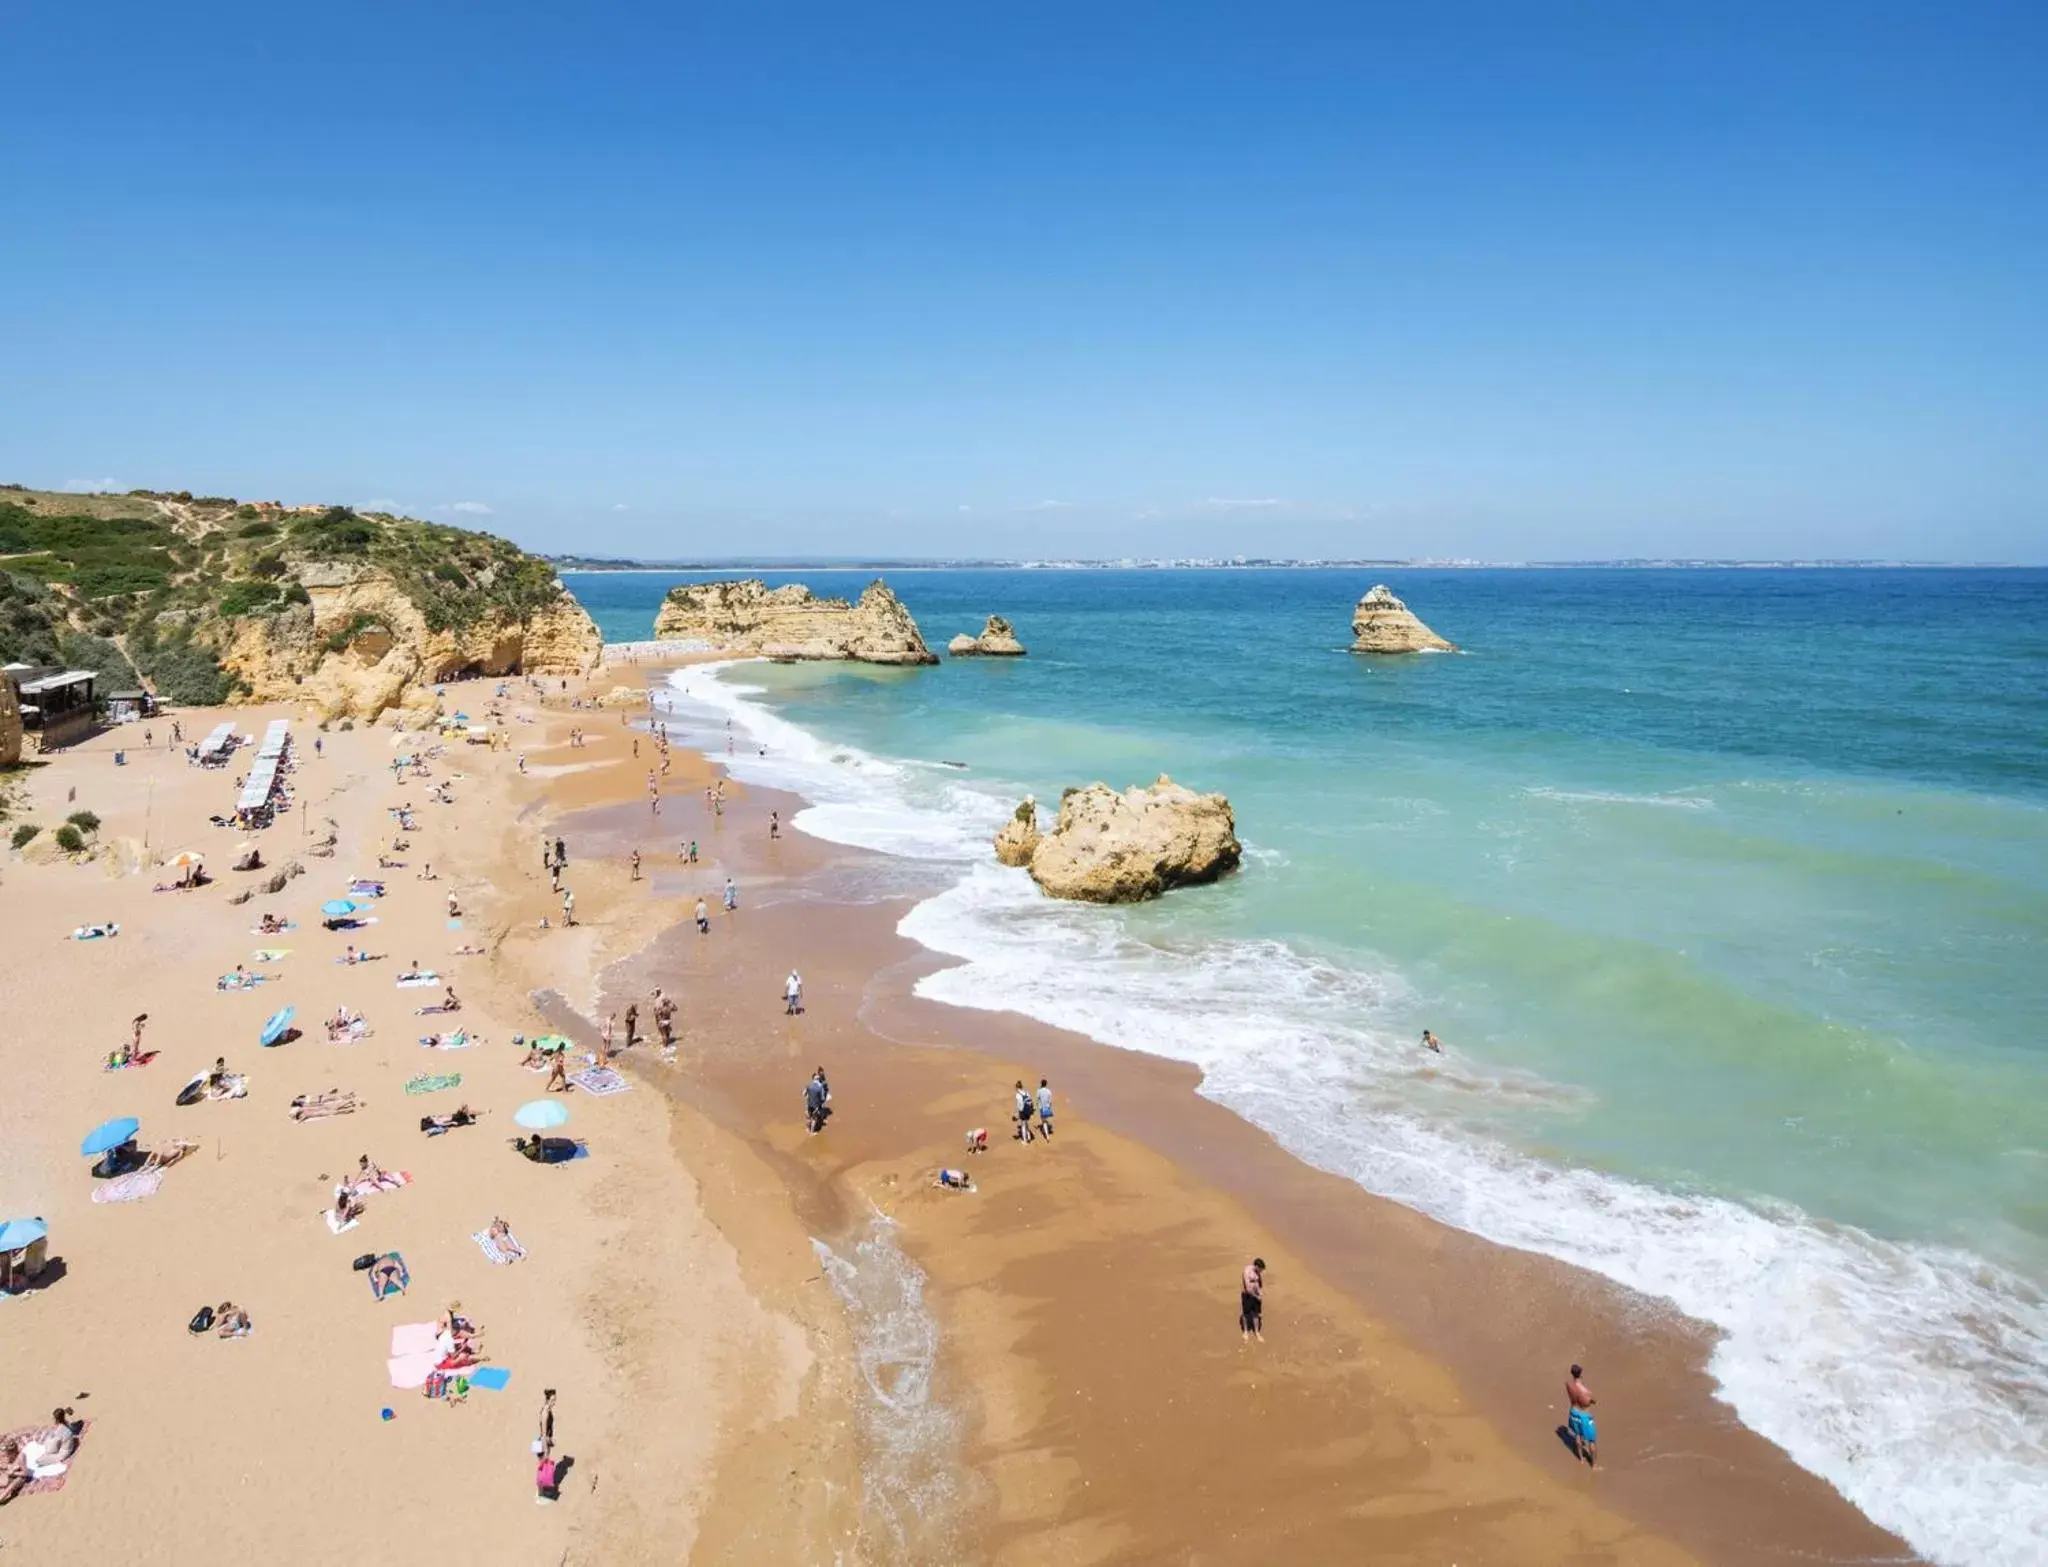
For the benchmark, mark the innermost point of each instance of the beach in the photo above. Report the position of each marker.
(766, 1346)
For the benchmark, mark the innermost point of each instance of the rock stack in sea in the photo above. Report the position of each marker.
(750, 618)
(1383, 624)
(1107, 847)
(997, 640)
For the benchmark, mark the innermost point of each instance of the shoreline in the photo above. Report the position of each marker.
(1087, 1397)
(1705, 1482)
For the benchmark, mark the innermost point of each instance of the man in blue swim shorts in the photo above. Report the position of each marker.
(1584, 1434)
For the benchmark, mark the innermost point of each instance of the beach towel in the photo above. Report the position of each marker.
(240, 981)
(490, 1378)
(415, 981)
(258, 930)
(129, 1188)
(459, 1040)
(272, 954)
(413, 1338)
(506, 1251)
(410, 1371)
(334, 1224)
(47, 1435)
(94, 932)
(430, 1082)
(389, 1181)
(404, 1277)
(599, 1080)
(144, 1059)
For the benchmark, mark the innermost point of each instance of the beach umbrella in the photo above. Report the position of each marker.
(337, 908)
(541, 1114)
(280, 1020)
(184, 858)
(17, 1233)
(109, 1134)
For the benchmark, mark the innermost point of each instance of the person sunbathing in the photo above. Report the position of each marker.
(428, 873)
(387, 1275)
(501, 1235)
(270, 925)
(13, 1469)
(434, 1125)
(347, 1207)
(316, 1107)
(368, 1172)
(451, 1002)
(468, 952)
(164, 1158)
(231, 1321)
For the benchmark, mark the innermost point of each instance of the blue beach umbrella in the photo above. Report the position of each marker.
(337, 908)
(109, 1134)
(17, 1233)
(280, 1020)
(541, 1114)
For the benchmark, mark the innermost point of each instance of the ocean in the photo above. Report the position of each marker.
(1727, 892)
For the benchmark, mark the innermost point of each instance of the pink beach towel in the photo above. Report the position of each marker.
(410, 1371)
(129, 1188)
(48, 1434)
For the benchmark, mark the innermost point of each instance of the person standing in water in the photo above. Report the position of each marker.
(1579, 1424)
(1251, 1301)
(1431, 1042)
(774, 826)
(703, 919)
(793, 994)
(732, 895)
(817, 1098)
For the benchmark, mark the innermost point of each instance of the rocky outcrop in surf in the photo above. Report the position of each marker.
(1108, 847)
(1019, 836)
(997, 640)
(749, 618)
(1383, 624)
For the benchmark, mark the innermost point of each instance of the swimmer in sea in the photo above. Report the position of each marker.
(1431, 1042)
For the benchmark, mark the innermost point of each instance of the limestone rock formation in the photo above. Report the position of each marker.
(362, 647)
(624, 696)
(751, 619)
(1383, 624)
(997, 640)
(10, 725)
(1019, 836)
(1119, 848)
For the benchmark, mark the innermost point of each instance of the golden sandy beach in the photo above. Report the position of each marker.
(1090, 1398)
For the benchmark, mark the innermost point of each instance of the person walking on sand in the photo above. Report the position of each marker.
(636, 864)
(547, 1474)
(1025, 1107)
(793, 994)
(817, 1102)
(561, 855)
(703, 919)
(732, 895)
(1431, 1042)
(774, 826)
(632, 1022)
(1579, 1420)
(665, 1019)
(1045, 1109)
(1251, 1301)
(604, 1040)
(568, 907)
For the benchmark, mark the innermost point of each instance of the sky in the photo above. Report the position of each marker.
(1503, 282)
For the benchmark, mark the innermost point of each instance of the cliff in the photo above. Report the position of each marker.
(1383, 624)
(214, 600)
(751, 619)
(1119, 848)
(997, 640)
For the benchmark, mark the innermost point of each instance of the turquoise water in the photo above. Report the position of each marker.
(1728, 892)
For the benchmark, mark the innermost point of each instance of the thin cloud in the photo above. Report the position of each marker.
(1259, 503)
(620, 506)
(466, 508)
(381, 503)
(90, 486)
(1050, 506)
(966, 509)
(1149, 514)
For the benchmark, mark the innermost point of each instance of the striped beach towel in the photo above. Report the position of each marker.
(506, 1251)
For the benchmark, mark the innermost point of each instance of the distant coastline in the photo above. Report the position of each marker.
(577, 563)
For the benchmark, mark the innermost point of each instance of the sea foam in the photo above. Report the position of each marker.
(1914, 1378)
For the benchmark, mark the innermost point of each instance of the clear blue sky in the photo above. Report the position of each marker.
(1510, 281)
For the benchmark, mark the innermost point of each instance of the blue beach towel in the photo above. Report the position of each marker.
(492, 1377)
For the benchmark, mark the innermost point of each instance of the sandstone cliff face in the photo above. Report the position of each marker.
(1119, 848)
(10, 725)
(1383, 624)
(390, 659)
(1019, 836)
(997, 640)
(750, 618)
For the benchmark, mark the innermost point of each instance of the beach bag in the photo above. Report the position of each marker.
(202, 1319)
(365, 1262)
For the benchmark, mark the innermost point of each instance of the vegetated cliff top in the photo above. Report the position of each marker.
(154, 576)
